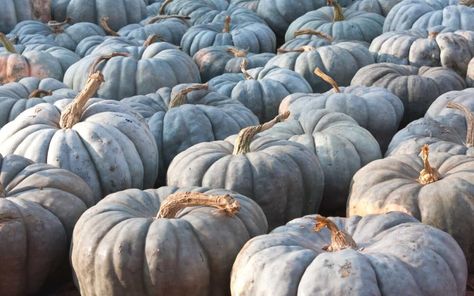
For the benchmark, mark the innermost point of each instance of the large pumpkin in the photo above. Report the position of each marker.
(166, 241)
(391, 254)
(260, 89)
(283, 177)
(16, 97)
(306, 38)
(39, 206)
(101, 141)
(438, 191)
(416, 87)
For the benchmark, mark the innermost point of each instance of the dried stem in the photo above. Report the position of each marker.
(163, 6)
(2, 190)
(39, 93)
(243, 68)
(164, 17)
(105, 58)
(180, 200)
(338, 14)
(313, 32)
(105, 25)
(152, 39)
(428, 174)
(433, 34)
(340, 239)
(469, 3)
(299, 49)
(238, 53)
(327, 79)
(7, 44)
(226, 24)
(469, 121)
(58, 27)
(245, 137)
(180, 98)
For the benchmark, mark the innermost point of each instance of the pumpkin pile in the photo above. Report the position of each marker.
(236, 147)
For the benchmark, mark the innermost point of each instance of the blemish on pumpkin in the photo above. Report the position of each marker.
(345, 270)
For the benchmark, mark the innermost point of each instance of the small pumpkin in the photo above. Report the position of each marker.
(166, 241)
(390, 254)
(283, 177)
(437, 189)
(39, 206)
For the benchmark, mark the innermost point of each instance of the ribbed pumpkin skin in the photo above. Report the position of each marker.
(381, 7)
(110, 148)
(391, 184)
(399, 256)
(305, 40)
(374, 108)
(189, 255)
(15, 96)
(340, 144)
(283, 177)
(416, 87)
(356, 26)
(15, 11)
(169, 30)
(139, 73)
(264, 92)
(351, 56)
(38, 212)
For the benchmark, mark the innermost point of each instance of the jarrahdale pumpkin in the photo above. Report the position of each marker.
(436, 188)
(39, 206)
(166, 241)
(388, 254)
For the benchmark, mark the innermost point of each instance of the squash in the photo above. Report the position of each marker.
(390, 254)
(374, 108)
(341, 24)
(381, 7)
(16, 97)
(306, 38)
(249, 4)
(103, 142)
(255, 37)
(39, 206)
(470, 73)
(166, 241)
(437, 189)
(283, 177)
(186, 115)
(15, 11)
(260, 89)
(416, 87)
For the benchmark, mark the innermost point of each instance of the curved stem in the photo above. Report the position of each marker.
(469, 121)
(57, 27)
(227, 24)
(180, 98)
(327, 79)
(428, 174)
(163, 6)
(299, 49)
(338, 14)
(39, 93)
(152, 39)
(165, 17)
(105, 58)
(313, 32)
(340, 239)
(238, 53)
(469, 3)
(105, 25)
(180, 200)
(7, 44)
(245, 137)
(243, 68)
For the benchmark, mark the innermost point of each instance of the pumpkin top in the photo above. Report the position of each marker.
(338, 15)
(428, 174)
(7, 43)
(328, 79)
(469, 121)
(58, 27)
(180, 98)
(314, 33)
(105, 25)
(340, 239)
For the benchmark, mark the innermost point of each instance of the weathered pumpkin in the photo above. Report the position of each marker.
(437, 191)
(166, 241)
(39, 206)
(101, 141)
(283, 177)
(260, 89)
(391, 254)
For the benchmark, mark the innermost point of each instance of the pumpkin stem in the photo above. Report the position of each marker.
(39, 93)
(180, 200)
(428, 174)
(338, 14)
(469, 3)
(327, 79)
(313, 32)
(245, 137)
(226, 25)
(105, 58)
(299, 49)
(432, 34)
(152, 39)
(164, 17)
(238, 53)
(163, 6)
(58, 27)
(340, 239)
(180, 98)
(7, 44)
(469, 121)
(105, 25)
(243, 68)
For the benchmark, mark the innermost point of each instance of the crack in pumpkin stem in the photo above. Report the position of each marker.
(340, 239)
(243, 69)
(238, 53)
(165, 17)
(338, 14)
(180, 200)
(163, 6)
(7, 43)
(246, 135)
(58, 27)
(180, 98)
(327, 79)
(104, 23)
(226, 24)
(39, 93)
(469, 121)
(429, 174)
(314, 33)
